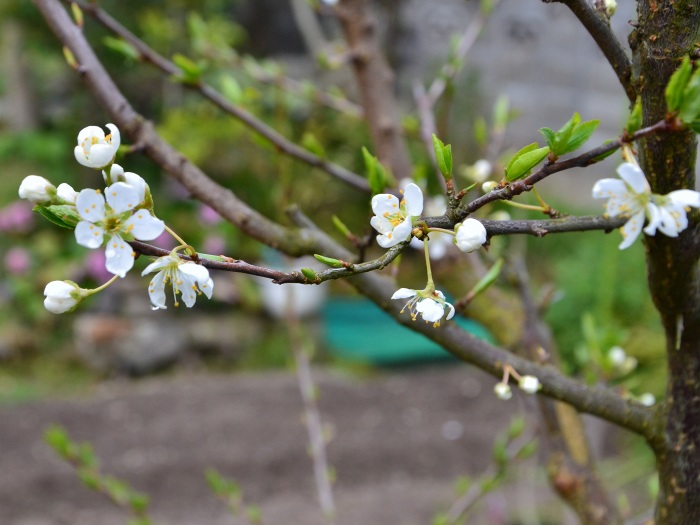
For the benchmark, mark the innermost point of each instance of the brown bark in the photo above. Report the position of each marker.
(667, 31)
(375, 80)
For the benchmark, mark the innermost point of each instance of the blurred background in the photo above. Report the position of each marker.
(533, 63)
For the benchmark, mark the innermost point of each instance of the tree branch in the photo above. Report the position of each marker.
(279, 141)
(598, 26)
(376, 84)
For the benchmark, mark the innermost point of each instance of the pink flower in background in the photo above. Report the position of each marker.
(17, 218)
(208, 215)
(165, 241)
(17, 261)
(214, 245)
(95, 266)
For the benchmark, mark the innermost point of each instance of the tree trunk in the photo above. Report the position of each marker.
(668, 31)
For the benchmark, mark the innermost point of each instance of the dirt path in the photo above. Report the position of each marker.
(394, 464)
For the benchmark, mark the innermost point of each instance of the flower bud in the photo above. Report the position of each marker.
(488, 186)
(502, 391)
(529, 384)
(37, 190)
(66, 193)
(481, 170)
(647, 399)
(470, 235)
(617, 356)
(62, 296)
(94, 149)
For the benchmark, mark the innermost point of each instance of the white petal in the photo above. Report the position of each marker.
(119, 255)
(388, 241)
(685, 198)
(383, 203)
(414, 200)
(403, 230)
(116, 138)
(654, 219)
(430, 310)
(144, 226)
(630, 230)
(403, 293)
(451, 313)
(607, 188)
(89, 235)
(66, 193)
(99, 156)
(121, 197)
(136, 182)
(669, 225)
(160, 263)
(116, 174)
(90, 205)
(188, 287)
(156, 290)
(381, 224)
(633, 176)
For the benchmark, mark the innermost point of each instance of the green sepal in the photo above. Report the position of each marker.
(61, 215)
(329, 261)
(376, 174)
(443, 156)
(309, 274)
(524, 160)
(677, 84)
(634, 121)
(122, 47)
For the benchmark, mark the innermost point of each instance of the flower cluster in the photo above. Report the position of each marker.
(111, 218)
(630, 195)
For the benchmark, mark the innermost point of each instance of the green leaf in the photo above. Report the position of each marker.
(329, 261)
(481, 132)
(59, 214)
(122, 47)
(376, 174)
(580, 135)
(690, 106)
(634, 121)
(487, 280)
(443, 156)
(527, 451)
(524, 160)
(231, 89)
(190, 71)
(549, 136)
(517, 425)
(499, 451)
(501, 113)
(677, 84)
(311, 143)
(138, 502)
(309, 274)
(564, 134)
(56, 437)
(89, 478)
(606, 154)
(340, 226)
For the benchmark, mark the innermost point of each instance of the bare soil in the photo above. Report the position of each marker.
(393, 460)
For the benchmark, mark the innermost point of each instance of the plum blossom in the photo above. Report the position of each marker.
(503, 391)
(117, 174)
(186, 278)
(632, 196)
(113, 218)
(430, 305)
(37, 190)
(95, 149)
(470, 235)
(66, 193)
(62, 296)
(393, 219)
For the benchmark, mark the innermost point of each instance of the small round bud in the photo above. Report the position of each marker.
(617, 356)
(62, 296)
(37, 190)
(529, 384)
(503, 391)
(470, 235)
(66, 193)
(647, 399)
(488, 186)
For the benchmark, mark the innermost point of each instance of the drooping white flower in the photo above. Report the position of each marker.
(631, 195)
(393, 219)
(186, 278)
(62, 296)
(470, 235)
(503, 391)
(430, 305)
(117, 174)
(66, 193)
(114, 219)
(95, 149)
(37, 190)
(529, 384)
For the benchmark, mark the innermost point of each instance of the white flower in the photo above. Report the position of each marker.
(117, 174)
(503, 391)
(66, 193)
(439, 242)
(94, 149)
(529, 384)
(393, 219)
(632, 196)
(186, 277)
(470, 235)
(647, 399)
(62, 296)
(617, 356)
(114, 220)
(610, 7)
(489, 185)
(36, 190)
(430, 306)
